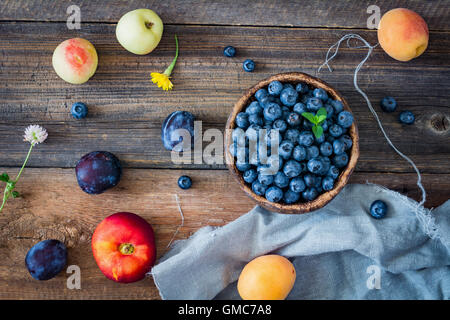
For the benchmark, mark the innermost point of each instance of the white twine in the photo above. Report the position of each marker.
(182, 220)
(355, 83)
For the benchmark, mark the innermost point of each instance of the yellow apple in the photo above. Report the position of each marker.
(139, 31)
(75, 60)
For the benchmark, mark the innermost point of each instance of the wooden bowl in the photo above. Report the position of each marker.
(324, 198)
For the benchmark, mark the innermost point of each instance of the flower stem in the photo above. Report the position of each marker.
(169, 69)
(24, 164)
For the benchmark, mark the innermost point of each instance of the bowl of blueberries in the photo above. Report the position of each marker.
(291, 142)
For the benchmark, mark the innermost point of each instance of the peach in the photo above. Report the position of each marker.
(403, 34)
(269, 277)
(75, 60)
(123, 245)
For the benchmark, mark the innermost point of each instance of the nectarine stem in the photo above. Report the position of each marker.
(126, 248)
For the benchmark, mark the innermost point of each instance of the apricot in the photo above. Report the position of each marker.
(403, 34)
(269, 277)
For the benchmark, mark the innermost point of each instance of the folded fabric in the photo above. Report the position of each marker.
(339, 251)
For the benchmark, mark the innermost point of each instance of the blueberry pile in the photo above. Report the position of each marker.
(291, 142)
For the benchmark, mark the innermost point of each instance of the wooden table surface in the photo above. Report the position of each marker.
(126, 111)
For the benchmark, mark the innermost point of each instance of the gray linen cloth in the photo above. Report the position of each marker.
(339, 251)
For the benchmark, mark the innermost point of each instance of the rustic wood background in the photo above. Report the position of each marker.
(126, 111)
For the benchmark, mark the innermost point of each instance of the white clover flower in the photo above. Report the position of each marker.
(35, 134)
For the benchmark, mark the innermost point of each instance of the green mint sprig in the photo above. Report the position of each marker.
(317, 119)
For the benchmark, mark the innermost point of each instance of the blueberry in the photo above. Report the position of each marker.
(314, 104)
(333, 172)
(242, 120)
(175, 121)
(312, 152)
(388, 104)
(347, 141)
(320, 139)
(261, 94)
(288, 96)
(327, 183)
(255, 119)
(275, 88)
(310, 194)
(288, 85)
(406, 117)
(274, 194)
(291, 197)
(321, 94)
(310, 180)
(340, 160)
(299, 108)
(302, 88)
(345, 119)
(265, 179)
(378, 209)
(229, 51)
(281, 180)
(286, 112)
(238, 136)
(292, 135)
(292, 169)
(79, 110)
(338, 147)
(184, 182)
(248, 65)
(297, 185)
(273, 164)
(337, 105)
(305, 138)
(243, 166)
(250, 175)
(326, 149)
(285, 149)
(280, 125)
(46, 259)
(98, 171)
(307, 124)
(273, 136)
(299, 153)
(272, 111)
(294, 119)
(335, 130)
(258, 188)
(242, 155)
(254, 108)
(330, 110)
(252, 132)
(315, 165)
(233, 149)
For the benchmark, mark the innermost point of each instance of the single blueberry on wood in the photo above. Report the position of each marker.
(406, 117)
(229, 51)
(79, 110)
(388, 104)
(248, 65)
(184, 182)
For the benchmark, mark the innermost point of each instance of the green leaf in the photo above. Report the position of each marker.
(321, 118)
(318, 131)
(309, 116)
(4, 177)
(15, 194)
(322, 112)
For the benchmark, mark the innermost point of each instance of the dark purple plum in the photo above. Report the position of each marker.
(175, 121)
(98, 171)
(46, 259)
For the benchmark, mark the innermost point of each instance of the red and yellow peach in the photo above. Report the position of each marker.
(403, 34)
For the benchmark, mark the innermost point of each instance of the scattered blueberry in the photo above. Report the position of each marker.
(184, 182)
(98, 171)
(378, 209)
(46, 259)
(229, 51)
(406, 117)
(388, 104)
(79, 110)
(248, 65)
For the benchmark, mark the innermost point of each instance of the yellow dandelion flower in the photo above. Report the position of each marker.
(163, 79)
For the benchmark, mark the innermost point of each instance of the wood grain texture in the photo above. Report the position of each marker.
(305, 13)
(53, 206)
(126, 109)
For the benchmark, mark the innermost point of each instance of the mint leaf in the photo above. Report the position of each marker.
(322, 112)
(15, 194)
(321, 118)
(309, 116)
(4, 177)
(318, 131)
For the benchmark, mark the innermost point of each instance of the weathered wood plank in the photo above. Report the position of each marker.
(126, 109)
(306, 13)
(54, 207)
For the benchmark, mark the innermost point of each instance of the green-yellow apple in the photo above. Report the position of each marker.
(139, 31)
(75, 60)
